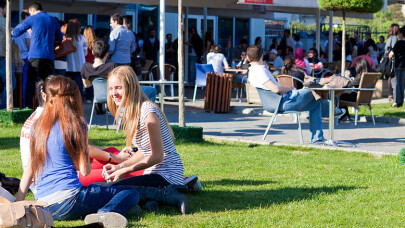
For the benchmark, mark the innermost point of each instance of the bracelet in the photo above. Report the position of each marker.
(122, 165)
(110, 157)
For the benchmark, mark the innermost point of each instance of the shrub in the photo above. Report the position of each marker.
(402, 156)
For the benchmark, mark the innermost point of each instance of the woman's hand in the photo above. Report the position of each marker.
(117, 175)
(110, 168)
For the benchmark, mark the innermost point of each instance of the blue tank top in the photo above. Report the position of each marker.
(59, 172)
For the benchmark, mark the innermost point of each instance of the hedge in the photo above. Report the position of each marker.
(189, 133)
(361, 6)
(15, 116)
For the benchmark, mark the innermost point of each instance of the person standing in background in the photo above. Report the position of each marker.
(76, 59)
(122, 41)
(392, 39)
(151, 47)
(41, 53)
(91, 38)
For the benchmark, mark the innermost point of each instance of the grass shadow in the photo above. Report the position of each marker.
(230, 182)
(217, 200)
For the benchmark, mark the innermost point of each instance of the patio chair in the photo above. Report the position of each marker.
(271, 103)
(368, 80)
(100, 96)
(287, 80)
(145, 70)
(169, 75)
(201, 76)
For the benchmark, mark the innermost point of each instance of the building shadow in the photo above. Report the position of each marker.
(222, 200)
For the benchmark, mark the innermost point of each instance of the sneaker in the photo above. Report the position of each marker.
(318, 141)
(340, 112)
(196, 187)
(89, 101)
(190, 181)
(109, 219)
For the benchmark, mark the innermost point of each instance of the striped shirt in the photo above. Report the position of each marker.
(171, 168)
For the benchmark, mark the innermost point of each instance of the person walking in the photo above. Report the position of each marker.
(45, 29)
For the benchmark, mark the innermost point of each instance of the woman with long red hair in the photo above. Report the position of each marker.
(59, 148)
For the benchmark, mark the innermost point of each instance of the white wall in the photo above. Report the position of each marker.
(257, 28)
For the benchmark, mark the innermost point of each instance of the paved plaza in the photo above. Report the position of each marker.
(386, 137)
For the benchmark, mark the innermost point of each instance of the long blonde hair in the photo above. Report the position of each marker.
(90, 36)
(133, 97)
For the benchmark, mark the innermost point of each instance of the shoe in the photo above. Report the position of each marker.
(167, 195)
(339, 112)
(133, 210)
(196, 187)
(318, 141)
(89, 102)
(109, 219)
(395, 105)
(190, 181)
(151, 206)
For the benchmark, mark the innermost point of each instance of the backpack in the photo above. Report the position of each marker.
(11, 184)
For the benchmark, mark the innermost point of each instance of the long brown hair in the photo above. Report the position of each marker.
(73, 29)
(63, 103)
(90, 36)
(132, 101)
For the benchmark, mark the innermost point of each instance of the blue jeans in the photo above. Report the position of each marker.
(3, 102)
(192, 60)
(398, 85)
(95, 199)
(303, 100)
(150, 92)
(75, 76)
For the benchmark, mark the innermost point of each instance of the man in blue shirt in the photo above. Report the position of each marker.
(41, 53)
(122, 41)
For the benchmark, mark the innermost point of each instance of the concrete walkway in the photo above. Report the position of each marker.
(383, 138)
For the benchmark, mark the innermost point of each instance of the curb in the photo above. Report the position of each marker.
(347, 149)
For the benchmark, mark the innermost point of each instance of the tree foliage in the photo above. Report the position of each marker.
(362, 6)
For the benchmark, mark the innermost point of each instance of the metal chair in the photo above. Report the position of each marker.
(201, 76)
(368, 80)
(100, 96)
(271, 103)
(169, 75)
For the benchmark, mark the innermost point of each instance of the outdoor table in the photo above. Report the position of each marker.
(161, 83)
(236, 71)
(331, 91)
(237, 84)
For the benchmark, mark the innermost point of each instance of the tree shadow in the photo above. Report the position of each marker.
(9, 143)
(219, 200)
(228, 182)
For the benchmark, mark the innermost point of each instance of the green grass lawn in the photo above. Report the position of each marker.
(261, 186)
(383, 110)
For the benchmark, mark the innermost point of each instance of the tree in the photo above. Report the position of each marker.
(361, 6)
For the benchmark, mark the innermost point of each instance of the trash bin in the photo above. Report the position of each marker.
(218, 92)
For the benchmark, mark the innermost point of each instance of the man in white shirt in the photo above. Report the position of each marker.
(297, 100)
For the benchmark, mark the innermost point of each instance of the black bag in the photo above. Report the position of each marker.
(11, 184)
(386, 66)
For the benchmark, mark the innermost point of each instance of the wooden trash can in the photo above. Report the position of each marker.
(218, 93)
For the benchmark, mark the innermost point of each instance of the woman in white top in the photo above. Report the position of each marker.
(217, 59)
(76, 59)
(372, 51)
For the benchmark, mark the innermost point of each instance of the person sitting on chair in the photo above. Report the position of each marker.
(297, 100)
(101, 69)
